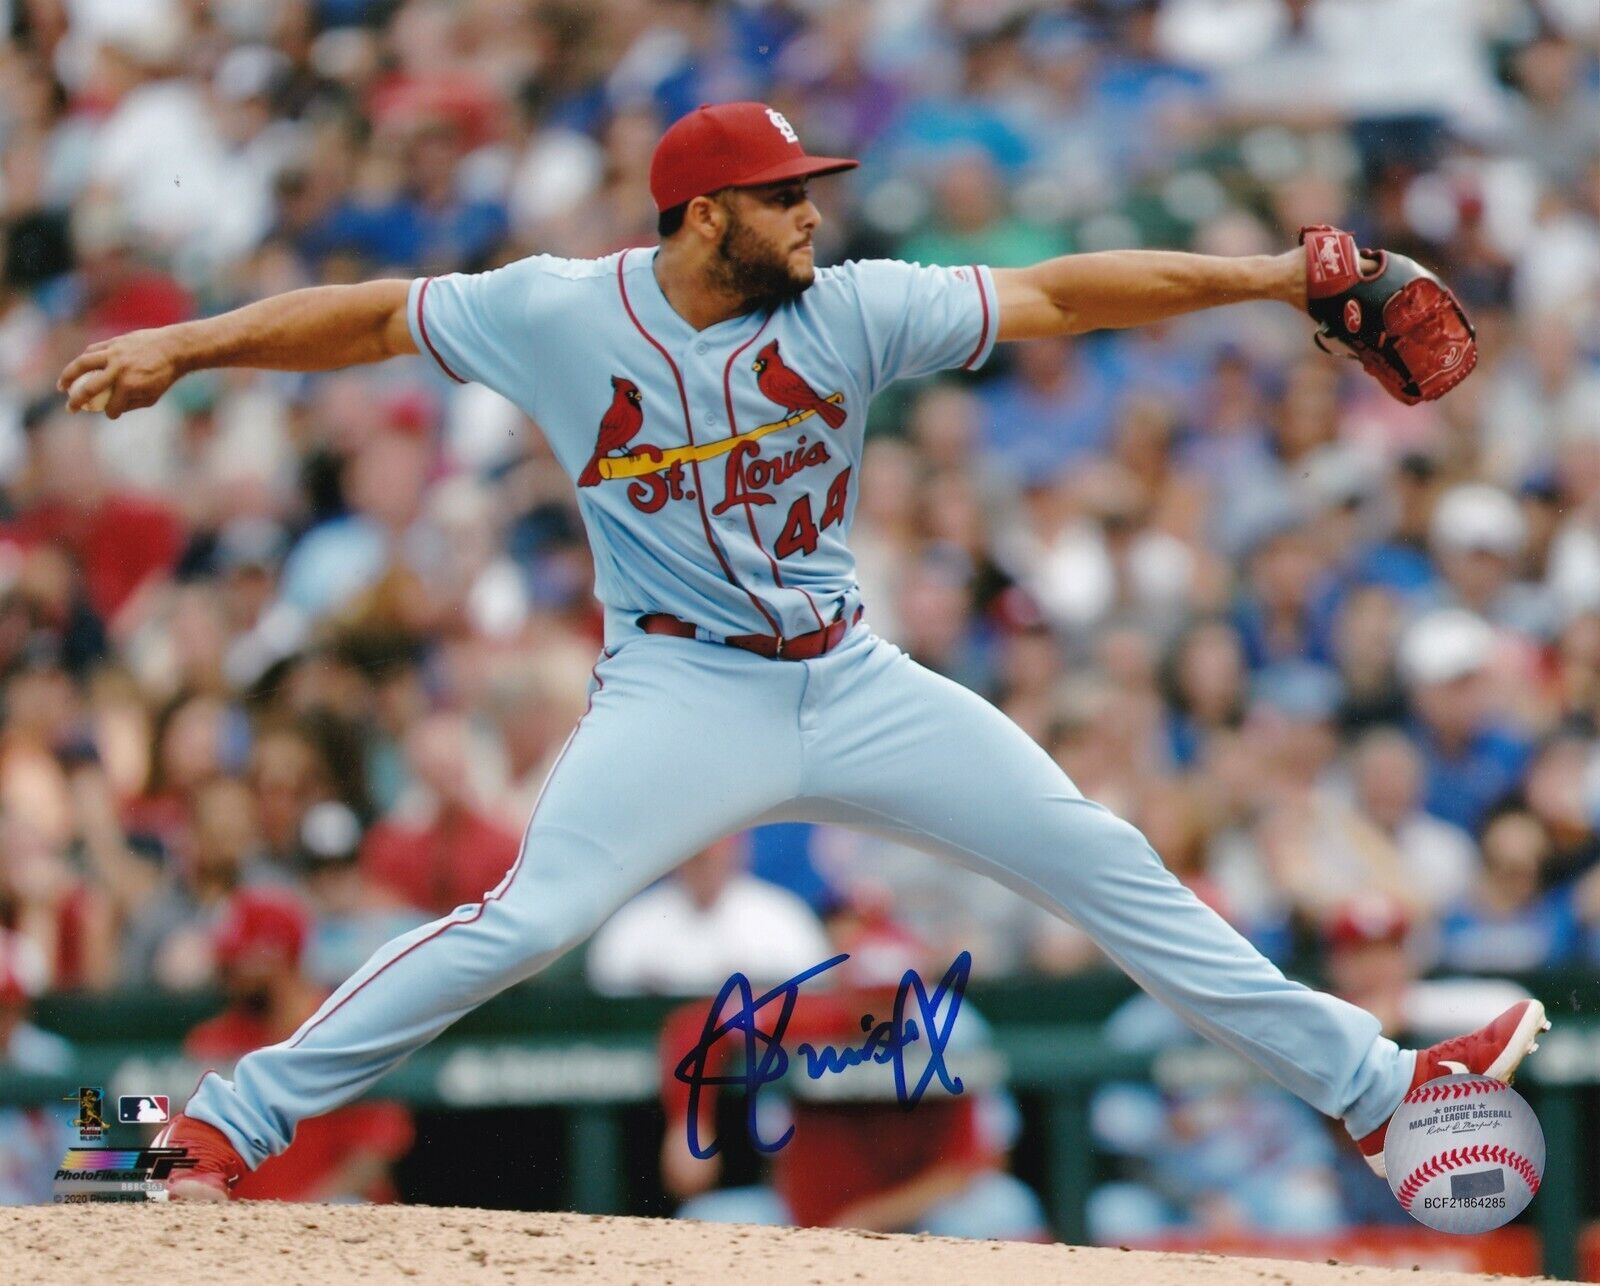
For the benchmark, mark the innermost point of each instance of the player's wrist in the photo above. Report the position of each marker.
(1285, 279)
(186, 348)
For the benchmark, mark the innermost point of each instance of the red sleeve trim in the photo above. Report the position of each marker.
(983, 334)
(422, 329)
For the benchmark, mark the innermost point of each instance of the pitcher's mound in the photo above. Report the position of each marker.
(253, 1242)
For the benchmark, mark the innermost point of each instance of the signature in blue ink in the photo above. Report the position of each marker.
(766, 1060)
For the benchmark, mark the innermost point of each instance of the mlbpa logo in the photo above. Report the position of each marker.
(781, 124)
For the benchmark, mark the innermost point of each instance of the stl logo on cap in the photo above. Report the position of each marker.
(782, 123)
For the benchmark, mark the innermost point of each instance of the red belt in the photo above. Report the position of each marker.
(801, 647)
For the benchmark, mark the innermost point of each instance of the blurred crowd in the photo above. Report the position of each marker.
(322, 636)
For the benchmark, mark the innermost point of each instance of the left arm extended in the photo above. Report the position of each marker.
(1111, 289)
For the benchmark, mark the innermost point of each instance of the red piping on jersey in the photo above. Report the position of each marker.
(422, 328)
(192, 1093)
(495, 894)
(750, 510)
(983, 334)
(688, 425)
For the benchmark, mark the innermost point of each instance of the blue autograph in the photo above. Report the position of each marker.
(766, 1060)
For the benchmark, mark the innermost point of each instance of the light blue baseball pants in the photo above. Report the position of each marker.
(686, 741)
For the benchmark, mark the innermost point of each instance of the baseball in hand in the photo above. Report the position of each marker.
(95, 404)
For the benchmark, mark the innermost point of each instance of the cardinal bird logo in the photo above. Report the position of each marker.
(781, 385)
(622, 420)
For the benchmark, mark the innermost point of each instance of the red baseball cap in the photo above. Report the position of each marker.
(1366, 919)
(731, 145)
(264, 921)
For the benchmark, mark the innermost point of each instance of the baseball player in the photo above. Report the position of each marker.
(708, 396)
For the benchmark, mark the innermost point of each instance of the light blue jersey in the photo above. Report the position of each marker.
(717, 469)
(717, 473)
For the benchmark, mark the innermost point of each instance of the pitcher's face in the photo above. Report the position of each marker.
(765, 255)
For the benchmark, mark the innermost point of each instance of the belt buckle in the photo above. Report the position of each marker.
(778, 652)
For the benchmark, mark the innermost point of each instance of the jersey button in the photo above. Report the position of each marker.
(702, 347)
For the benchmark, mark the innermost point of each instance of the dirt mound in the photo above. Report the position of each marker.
(289, 1244)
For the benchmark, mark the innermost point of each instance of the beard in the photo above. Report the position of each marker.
(750, 269)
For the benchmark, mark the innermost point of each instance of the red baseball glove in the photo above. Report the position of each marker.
(1399, 321)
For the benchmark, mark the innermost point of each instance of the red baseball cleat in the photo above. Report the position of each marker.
(217, 1165)
(1494, 1051)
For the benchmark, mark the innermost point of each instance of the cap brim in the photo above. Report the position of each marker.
(798, 167)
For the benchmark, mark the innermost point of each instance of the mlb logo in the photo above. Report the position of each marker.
(143, 1109)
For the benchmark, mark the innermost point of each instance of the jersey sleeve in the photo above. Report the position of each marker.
(919, 320)
(482, 327)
